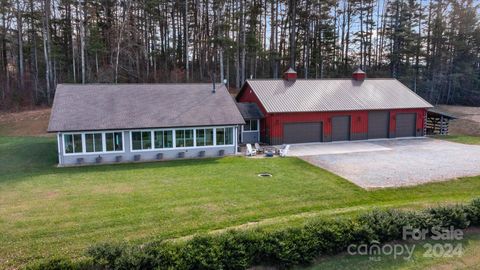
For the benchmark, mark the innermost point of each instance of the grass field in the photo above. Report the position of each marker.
(46, 211)
(465, 139)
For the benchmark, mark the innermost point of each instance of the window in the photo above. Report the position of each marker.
(180, 138)
(146, 140)
(141, 140)
(114, 141)
(251, 125)
(220, 136)
(209, 136)
(224, 136)
(93, 142)
(228, 135)
(73, 143)
(204, 137)
(163, 139)
(184, 137)
(200, 137)
(189, 137)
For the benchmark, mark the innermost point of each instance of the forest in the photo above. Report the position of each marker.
(433, 47)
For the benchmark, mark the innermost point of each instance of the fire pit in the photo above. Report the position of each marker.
(269, 153)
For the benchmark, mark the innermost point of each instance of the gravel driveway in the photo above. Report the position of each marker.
(393, 163)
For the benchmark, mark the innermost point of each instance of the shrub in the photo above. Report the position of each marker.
(387, 225)
(331, 236)
(61, 264)
(239, 249)
(282, 248)
(473, 212)
(133, 258)
(201, 252)
(165, 255)
(288, 247)
(105, 254)
(446, 216)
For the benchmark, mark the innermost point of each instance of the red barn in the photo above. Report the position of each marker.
(301, 111)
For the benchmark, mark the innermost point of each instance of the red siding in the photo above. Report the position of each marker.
(247, 95)
(272, 126)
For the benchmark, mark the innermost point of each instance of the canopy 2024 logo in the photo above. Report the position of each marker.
(441, 243)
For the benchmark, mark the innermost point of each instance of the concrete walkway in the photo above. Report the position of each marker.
(393, 163)
(312, 149)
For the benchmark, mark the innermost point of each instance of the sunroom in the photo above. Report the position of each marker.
(115, 123)
(146, 144)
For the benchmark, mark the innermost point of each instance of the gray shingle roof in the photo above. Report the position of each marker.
(335, 95)
(132, 106)
(250, 110)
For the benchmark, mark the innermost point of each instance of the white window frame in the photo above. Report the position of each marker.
(256, 130)
(233, 136)
(85, 142)
(153, 139)
(84, 150)
(73, 141)
(194, 138)
(250, 131)
(214, 136)
(174, 138)
(104, 138)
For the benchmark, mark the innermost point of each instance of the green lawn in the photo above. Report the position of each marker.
(47, 211)
(466, 139)
(468, 258)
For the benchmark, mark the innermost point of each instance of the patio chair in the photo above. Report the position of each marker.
(250, 150)
(258, 148)
(284, 151)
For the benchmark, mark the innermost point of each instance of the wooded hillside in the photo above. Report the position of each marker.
(431, 46)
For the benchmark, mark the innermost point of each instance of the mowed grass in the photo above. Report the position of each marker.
(465, 139)
(47, 211)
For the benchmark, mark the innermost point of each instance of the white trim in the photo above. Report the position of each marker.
(84, 150)
(235, 138)
(242, 139)
(195, 137)
(251, 130)
(59, 151)
(141, 141)
(174, 138)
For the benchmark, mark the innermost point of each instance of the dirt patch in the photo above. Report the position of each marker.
(468, 122)
(26, 123)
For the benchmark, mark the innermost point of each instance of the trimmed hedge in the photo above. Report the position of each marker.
(282, 248)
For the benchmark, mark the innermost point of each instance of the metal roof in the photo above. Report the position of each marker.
(438, 112)
(335, 95)
(290, 70)
(79, 107)
(250, 110)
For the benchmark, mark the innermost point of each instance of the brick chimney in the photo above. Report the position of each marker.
(359, 75)
(290, 75)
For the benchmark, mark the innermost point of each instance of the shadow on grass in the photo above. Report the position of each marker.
(35, 156)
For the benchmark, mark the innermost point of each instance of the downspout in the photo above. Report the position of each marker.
(236, 139)
(60, 158)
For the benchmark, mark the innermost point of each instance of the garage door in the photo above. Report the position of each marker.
(378, 123)
(302, 132)
(406, 123)
(341, 128)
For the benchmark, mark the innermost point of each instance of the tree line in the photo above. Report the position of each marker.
(433, 47)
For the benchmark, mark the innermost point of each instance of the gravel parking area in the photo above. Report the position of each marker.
(405, 162)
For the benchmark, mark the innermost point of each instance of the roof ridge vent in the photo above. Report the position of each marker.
(290, 75)
(359, 75)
